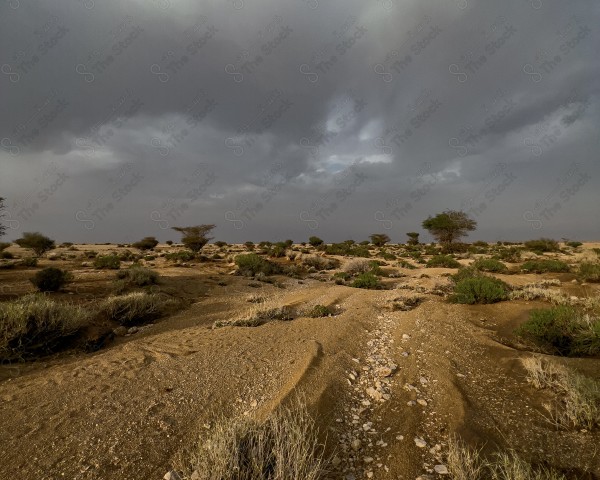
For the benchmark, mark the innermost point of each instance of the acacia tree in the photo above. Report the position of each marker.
(195, 237)
(35, 241)
(379, 239)
(413, 238)
(449, 226)
(2, 226)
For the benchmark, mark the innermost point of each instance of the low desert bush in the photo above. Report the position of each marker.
(110, 262)
(4, 245)
(489, 265)
(259, 313)
(545, 266)
(321, 263)
(319, 311)
(539, 292)
(250, 264)
(578, 405)
(465, 463)
(562, 330)
(483, 289)
(366, 280)
(29, 262)
(133, 308)
(542, 245)
(181, 256)
(138, 276)
(573, 244)
(6, 256)
(35, 324)
(442, 261)
(510, 254)
(348, 250)
(51, 279)
(589, 272)
(357, 266)
(283, 447)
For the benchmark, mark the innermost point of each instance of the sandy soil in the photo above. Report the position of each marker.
(127, 410)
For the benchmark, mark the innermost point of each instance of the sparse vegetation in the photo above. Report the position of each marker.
(283, 447)
(35, 324)
(366, 280)
(562, 330)
(133, 308)
(110, 262)
(442, 261)
(29, 262)
(468, 464)
(578, 405)
(545, 266)
(379, 239)
(138, 276)
(348, 250)
(321, 263)
(250, 264)
(542, 245)
(181, 256)
(489, 265)
(318, 311)
(413, 238)
(589, 272)
(51, 279)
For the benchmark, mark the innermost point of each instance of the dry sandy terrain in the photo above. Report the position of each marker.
(126, 410)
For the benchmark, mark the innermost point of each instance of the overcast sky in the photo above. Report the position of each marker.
(291, 118)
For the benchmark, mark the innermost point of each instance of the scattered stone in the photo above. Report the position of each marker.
(120, 331)
(336, 461)
(133, 330)
(356, 444)
(367, 459)
(172, 475)
(422, 402)
(419, 442)
(441, 469)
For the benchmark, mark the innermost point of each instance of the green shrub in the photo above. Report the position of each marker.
(127, 256)
(90, 254)
(510, 254)
(366, 280)
(545, 266)
(455, 248)
(139, 276)
(562, 330)
(110, 262)
(35, 324)
(146, 243)
(574, 244)
(181, 256)
(479, 290)
(442, 261)
(589, 272)
(489, 265)
(321, 263)
(220, 243)
(4, 246)
(249, 246)
(29, 262)
(6, 256)
(348, 250)
(51, 279)
(319, 311)
(542, 245)
(250, 264)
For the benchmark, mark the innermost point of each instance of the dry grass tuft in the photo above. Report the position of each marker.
(358, 266)
(467, 464)
(579, 404)
(284, 447)
(540, 292)
(261, 311)
(134, 308)
(37, 324)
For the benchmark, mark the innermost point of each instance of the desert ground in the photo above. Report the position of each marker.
(390, 375)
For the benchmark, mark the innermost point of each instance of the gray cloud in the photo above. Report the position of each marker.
(277, 120)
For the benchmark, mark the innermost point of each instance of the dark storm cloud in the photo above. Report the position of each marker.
(286, 119)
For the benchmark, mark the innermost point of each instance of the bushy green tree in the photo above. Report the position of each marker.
(35, 241)
(379, 239)
(315, 241)
(449, 226)
(146, 243)
(195, 237)
(413, 238)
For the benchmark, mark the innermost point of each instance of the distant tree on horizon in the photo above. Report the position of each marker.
(2, 226)
(449, 226)
(379, 239)
(35, 241)
(195, 237)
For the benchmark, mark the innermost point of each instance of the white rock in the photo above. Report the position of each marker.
(441, 469)
(419, 442)
(172, 475)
